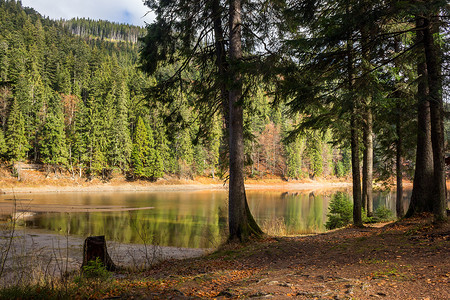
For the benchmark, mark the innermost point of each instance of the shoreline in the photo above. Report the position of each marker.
(54, 254)
(127, 187)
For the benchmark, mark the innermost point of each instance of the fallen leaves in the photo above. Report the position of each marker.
(380, 263)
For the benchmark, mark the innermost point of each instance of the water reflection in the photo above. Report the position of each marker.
(185, 219)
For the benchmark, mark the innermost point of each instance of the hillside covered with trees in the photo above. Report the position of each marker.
(237, 89)
(73, 98)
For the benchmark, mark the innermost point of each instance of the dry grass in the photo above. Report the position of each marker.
(274, 227)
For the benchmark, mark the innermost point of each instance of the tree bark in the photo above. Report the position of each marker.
(367, 195)
(422, 193)
(399, 163)
(432, 55)
(240, 221)
(399, 145)
(95, 248)
(356, 177)
(367, 170)
(354, 140)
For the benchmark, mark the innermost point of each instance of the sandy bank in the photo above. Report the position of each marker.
(129, 187)
(35, 254)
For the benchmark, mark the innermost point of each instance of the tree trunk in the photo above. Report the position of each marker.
(399, 165)
(95, 248)
(240, 221)
(432, 54)
(399, 145)
(356, 176)
(367, 195)
(367, 172)
(422, 193)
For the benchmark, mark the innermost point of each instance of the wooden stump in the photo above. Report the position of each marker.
(95, 247)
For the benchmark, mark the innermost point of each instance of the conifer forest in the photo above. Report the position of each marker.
(73, 97)
(226, 149)
(325, 89)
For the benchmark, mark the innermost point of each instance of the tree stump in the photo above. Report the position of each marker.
(95, 247)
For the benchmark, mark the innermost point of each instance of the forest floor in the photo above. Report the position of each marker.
(407, 259)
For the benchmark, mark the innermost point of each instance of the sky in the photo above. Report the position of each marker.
(119, 11)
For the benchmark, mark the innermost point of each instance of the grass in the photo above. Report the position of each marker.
(392, 273)
(275, 227)
(33, 292)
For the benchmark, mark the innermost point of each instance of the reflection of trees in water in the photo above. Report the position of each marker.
(197, 220)
(169, 228)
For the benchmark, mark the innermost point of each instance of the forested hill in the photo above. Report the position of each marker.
(103, 30)
(72, 97)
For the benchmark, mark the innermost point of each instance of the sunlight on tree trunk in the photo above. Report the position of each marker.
(241, 222)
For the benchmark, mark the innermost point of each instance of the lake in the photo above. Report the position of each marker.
(194, 219)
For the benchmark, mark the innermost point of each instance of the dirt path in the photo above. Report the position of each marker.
(405, 260)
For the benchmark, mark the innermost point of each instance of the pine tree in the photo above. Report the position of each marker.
(52, 142)
(155, 159)
(141, 150)
(120, 146)
(294, 151)
(53, 147)
(4, 61)
(16, 139)
(3, 146)
(314, 149)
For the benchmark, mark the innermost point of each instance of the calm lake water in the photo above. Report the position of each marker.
(186, 219)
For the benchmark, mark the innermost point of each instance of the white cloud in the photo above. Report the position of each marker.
(120, 11)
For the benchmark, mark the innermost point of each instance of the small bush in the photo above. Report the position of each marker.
(340, 211)
(383, 214)
(366, 219)
(95, 269)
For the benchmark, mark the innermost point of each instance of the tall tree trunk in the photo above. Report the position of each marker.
(356, 177)
(422, 193)
(240, 221)
(367, 170)
(399, 145)
(354, 140)
(399, 164)
(367, 195)
(432, 54)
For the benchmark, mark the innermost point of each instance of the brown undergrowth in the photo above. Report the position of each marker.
(407, 259)
(403, 260)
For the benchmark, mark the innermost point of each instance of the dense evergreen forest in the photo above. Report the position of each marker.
(373, 75)
(72, 97)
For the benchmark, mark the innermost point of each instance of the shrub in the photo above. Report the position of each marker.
(95, 269)
(383, 214)
(340, 211)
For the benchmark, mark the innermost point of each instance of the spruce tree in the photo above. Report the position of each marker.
(120, 145)
(16, 139)
(141, 150)
(53, 149)
(52, 141)
(154, 159)
(181, 32)
(3, 146)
